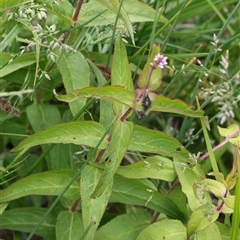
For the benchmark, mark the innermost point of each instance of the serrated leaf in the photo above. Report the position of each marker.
(164, 104)
(155, 167)
(125, 226)
(201, 218)
(130, 191)
(80, 133)
(120, 139)
(92, 209)
(69, 226)
(116, 93)
(156, 76)
(121, 74)
(166, 229)
(75, 73)
(44, 183)
(152, 141)
(26, 218)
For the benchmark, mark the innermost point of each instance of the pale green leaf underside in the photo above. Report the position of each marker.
(164, 104)
(116, 93)
(166, 229)
(153, 167)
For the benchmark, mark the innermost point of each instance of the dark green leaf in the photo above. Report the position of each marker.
(45, 183)
(25, 219)
(69, 226)
(120, 139)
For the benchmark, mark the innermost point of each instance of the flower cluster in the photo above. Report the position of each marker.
(159, 61)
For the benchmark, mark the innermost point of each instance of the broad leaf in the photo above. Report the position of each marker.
(120, 139)
(17, 63)
(125, 226)
(166, 229)
(130, 191)
(152, 141)
(152, 167)
(137, 11)
(26, 218)
(4, 5)
(164, 104)
(189, 179)
(115, 93)
(63, 9)
(75, 73)
(45, 183)
(69, 226)
(156, 76)
(208, 233)
(201, 218)
(80, 133)
(42, 116)
(121, 74)
(92, 209)
(113, 6)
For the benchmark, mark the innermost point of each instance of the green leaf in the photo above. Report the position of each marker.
(64, 9)
(75, 73)
(125, 226)
(79, 133)
(17, 63)
(164, 104)
(113, 6)
(115, 93)
(92, 209)
(134, 192)
(137, 11)
(4, 5)
(121, 74)
(201, 218)
(188, 179)
(42, 116)
(225, 231)
(166, 229)
(69, 226)
(156, 77)
(152, 141)
(25, 219)
(208, 233)
(230, 130)
(10, 37)
(120, 139)
(45, 183)
(155, 167)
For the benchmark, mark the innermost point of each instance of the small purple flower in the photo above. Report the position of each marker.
(159, 61)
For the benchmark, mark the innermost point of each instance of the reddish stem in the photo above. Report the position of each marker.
(75, 18)
(74, 206)
(204, 156)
